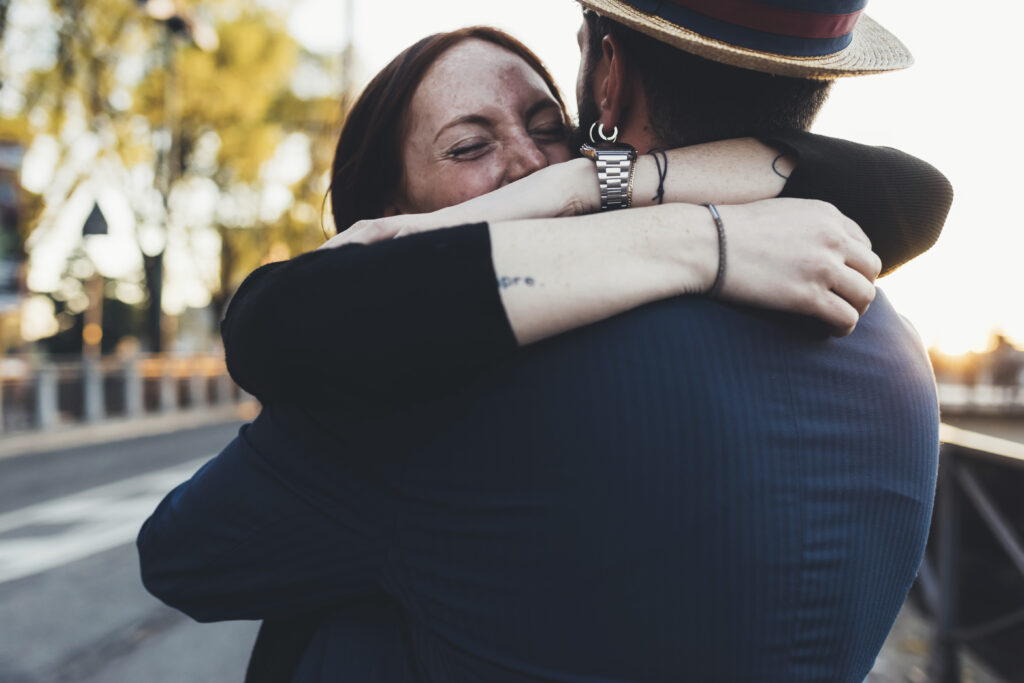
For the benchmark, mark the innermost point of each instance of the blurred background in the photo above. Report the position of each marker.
(154, 152)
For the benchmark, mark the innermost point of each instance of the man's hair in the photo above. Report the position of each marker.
(692, 100)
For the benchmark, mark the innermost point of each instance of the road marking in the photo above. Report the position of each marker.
(85, 523)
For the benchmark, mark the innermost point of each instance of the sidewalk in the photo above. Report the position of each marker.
(27, 443)
(904, 658)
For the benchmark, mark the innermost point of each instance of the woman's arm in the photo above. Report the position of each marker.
(368, 322)
(407, 316)
(899, 201)
(726, 172)
(402, 318)
(559, 274)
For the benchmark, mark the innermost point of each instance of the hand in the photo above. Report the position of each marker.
(378, 229)
(801, 256)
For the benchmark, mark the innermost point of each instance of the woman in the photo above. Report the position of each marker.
(428, 313)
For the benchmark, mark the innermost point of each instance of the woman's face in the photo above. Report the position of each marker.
(481, 118)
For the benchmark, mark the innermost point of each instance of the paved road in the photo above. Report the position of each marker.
(72, 607)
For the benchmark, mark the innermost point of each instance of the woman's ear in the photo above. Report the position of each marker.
(615, 90)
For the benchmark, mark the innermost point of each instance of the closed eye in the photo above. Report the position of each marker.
(469, 150)
(554, 131)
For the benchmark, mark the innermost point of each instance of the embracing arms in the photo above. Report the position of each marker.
(416, 314)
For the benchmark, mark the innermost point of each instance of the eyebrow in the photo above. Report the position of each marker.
(481, 120)
(475, 119)
(541, 105)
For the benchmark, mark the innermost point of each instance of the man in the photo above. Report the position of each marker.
(690, 491)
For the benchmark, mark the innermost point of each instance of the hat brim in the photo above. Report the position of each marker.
(872, 50)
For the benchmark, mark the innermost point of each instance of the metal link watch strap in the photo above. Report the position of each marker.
(614, 176)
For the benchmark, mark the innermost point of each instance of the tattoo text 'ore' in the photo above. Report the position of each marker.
(504, 282)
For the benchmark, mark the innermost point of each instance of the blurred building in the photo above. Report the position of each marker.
(1002, 366)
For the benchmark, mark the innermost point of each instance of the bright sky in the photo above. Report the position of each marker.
(957, 108)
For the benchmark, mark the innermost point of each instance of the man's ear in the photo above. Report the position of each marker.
(615, 90)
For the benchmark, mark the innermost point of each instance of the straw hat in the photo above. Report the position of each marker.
(775, 36)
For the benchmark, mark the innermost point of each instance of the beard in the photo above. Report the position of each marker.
(589, 114)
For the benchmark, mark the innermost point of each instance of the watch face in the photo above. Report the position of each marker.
(591, 150)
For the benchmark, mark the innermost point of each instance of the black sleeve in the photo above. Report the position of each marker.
(370, 322)
(900, 201)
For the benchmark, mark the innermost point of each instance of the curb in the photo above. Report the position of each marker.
(31, 443)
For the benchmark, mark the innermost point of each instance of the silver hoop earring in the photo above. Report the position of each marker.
(600, 131)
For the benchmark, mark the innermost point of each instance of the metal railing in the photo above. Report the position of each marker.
(40, 395)
(970, 464)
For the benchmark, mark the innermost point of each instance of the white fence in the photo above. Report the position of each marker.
(40, 395)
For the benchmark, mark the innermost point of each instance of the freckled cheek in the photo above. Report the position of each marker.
(556, 154)
(468, 180)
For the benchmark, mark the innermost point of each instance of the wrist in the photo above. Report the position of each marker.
(685, 243)
(645, 183)
(586, 191)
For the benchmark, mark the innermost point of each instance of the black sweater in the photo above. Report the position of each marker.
(363, 325)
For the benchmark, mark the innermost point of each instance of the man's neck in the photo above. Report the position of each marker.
(641, 138)
(636, 130)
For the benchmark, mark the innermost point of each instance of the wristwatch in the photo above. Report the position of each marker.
(615, 162)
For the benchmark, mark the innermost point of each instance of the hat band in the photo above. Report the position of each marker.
(780, 20)
(757, 26)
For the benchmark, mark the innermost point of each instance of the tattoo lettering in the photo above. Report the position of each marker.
(504, 281)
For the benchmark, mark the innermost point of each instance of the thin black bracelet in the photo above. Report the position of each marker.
(662, 173)
(716, 286)
(775, 168)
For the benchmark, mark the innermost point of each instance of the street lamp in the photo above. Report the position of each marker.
(178, 20)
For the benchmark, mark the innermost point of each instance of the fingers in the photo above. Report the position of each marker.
(854, 288)
(864, 261)
(364, 232)
(854, 231)
(336, 241)
(839, 314)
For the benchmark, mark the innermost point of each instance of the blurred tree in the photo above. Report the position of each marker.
(4, 6)
(235, 108)
(228, 120)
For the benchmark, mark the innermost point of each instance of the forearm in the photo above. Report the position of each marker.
(725, 172)
(361, 324)
(555, 275)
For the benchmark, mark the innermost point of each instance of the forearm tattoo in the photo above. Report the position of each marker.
(505, 281)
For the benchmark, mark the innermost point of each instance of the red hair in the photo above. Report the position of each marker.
(366, 175)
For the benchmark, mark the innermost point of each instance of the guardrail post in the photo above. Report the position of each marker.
(197, 389)
(168, 389)
(133, 390)
(944, 664)
(92, 390)
(46, 396)
(223, 389)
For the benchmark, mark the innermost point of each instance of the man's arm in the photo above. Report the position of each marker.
(247, 539)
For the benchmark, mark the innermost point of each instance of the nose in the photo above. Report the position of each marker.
(524, 157)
